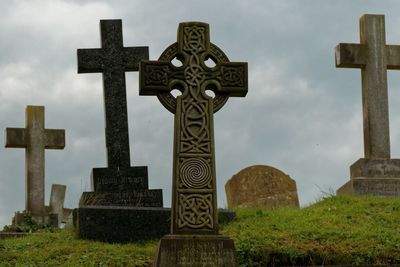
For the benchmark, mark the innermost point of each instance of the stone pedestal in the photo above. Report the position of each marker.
(195, 251)
(116, 224)
(50, 219)
(380, 177)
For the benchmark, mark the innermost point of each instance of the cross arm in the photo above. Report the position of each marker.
(155, 77)
(54, 138)
(232, 78)
(133, 55)
(393, 57)
(16, 137)
(90, 60)
(350, 55)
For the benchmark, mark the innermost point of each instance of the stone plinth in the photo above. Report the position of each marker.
(116, 224)
(380, 177)
(195, 251)
(261, 186)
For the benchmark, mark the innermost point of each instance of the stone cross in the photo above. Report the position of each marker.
(35, 139)
(194, 202)
(119, 184)
(113, 60)
(373, 56)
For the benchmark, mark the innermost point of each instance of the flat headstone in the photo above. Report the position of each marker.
(377, 173)
(261, 186)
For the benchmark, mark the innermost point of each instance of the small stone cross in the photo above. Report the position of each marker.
(35, 139)
(194, 202)
(374, 57)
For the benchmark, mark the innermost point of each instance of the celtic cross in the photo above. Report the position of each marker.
(194, 200)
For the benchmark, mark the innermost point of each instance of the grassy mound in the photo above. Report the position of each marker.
(336, 230)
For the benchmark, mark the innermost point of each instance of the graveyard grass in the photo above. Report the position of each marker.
(334, 230)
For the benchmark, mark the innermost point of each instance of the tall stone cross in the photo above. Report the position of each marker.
(373, 56)
(113, 60)
(377, 173)
(194, 202)
(121, 184)
(35, 139)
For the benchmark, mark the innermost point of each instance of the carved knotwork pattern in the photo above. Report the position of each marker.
(167, 99)
(195, 132)
(195, 211)
(231, 76)
(157, 75)
(195, 173)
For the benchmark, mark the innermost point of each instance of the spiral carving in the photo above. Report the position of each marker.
(195, 173)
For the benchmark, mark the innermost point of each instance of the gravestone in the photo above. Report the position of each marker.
(261, 186)
(194, 238)
(377, 173)
(119, 185)
(35, 139)
(56, 206)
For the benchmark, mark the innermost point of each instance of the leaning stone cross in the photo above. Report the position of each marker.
(373, 56)
(35, 139)
(194, 201)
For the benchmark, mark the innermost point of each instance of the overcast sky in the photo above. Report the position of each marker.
(301, 114)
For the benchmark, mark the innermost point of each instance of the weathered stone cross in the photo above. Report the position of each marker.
(377, 173)
(374, 57)
(35, 139)
(194, 202)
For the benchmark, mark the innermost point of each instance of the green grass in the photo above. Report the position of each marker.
(336, 230)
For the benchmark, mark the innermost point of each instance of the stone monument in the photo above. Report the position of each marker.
(194, 238)
(35, 139)
(56, 205)
(261, 186)
(103, 214)
(376, 173)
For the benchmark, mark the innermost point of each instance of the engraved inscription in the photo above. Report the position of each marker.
(121, 180)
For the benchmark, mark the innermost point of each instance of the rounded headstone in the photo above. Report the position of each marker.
(261, 186)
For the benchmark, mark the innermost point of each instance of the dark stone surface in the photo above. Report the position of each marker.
(136, 198)
(119, 184)
(113, 60)
(195, 251)
(126, 224)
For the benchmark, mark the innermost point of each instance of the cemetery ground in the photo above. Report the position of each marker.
(337, 230)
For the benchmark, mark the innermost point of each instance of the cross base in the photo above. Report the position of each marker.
(135, 198)
(123, 179)
(51, 219)
(195, 251)
(380, 177)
